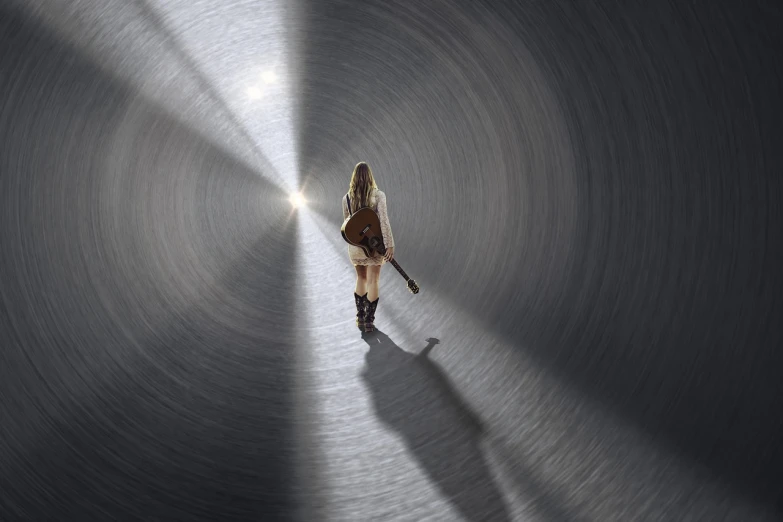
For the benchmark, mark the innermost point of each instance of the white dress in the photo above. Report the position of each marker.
(378, 204)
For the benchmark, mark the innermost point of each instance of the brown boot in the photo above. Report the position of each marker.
(361, 309)
(369, 319)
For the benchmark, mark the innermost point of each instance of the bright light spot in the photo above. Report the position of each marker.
(269, 77)
(297, 200)
(254, 93)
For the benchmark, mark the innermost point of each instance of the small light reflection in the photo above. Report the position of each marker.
(269, 77)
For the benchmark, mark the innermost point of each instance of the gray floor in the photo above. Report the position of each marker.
(585, 192)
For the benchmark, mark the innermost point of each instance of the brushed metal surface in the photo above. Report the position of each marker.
(588, 194)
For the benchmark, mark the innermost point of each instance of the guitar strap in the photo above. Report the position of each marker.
(349, 205)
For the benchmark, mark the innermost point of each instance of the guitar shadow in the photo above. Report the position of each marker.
(414, 397)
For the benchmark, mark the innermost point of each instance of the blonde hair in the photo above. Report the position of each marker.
(361, 187)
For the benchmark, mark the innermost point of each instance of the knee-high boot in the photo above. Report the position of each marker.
(369, 320)
(361, 309)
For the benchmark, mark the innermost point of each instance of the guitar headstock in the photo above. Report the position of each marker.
(413, 287)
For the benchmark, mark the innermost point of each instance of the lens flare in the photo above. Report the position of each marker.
(297, 199)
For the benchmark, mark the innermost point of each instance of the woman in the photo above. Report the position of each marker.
(363, 192)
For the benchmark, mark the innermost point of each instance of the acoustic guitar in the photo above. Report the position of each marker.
(363, 230)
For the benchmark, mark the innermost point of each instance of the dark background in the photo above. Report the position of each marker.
(597, 183)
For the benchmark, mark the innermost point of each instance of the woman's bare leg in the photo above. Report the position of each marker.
(361, 280)
(373, 276)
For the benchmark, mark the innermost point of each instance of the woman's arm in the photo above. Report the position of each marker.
(388, 238)
(345, 209)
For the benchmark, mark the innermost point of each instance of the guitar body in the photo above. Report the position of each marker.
(363, 230)
(355, 230)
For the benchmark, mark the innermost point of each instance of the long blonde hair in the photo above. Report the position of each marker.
(361, 187)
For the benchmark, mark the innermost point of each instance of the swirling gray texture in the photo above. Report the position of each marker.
(588, 194)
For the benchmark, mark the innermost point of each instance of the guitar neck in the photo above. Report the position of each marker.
(400, 270)
(377, 244)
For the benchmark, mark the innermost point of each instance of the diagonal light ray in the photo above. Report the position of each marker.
(146, 241)
(119, 38)
(551, 449)
(241, 56)
(332, 392)
(312, 385)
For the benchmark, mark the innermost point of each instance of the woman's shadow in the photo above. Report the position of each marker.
(413, 396)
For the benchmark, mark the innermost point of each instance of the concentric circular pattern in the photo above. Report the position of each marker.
(588, 194)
